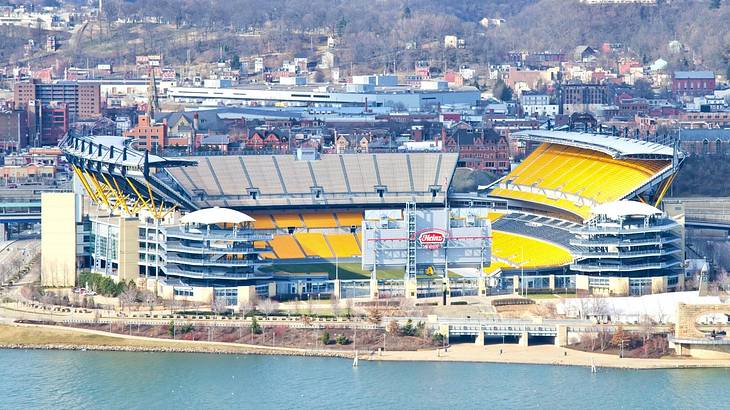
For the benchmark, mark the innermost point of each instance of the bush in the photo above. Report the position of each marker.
(255, 327)
(325, 338)
(408, 329)
(437, 338)
(101, 284)
(342, 340)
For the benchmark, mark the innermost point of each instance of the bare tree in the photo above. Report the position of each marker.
(348, 306)
(723, 280)
(149, 299)
(335, 305)
(268, 306)
(219, 305)
(244, 307)
(393, 328)
(129, 296)
(375, 315)
(604, 337)
(310, 305)
(647, 330)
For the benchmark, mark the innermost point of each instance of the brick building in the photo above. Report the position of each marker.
(82, 99)
(52, 107)
(483, 149)
(149, 135)
(706, 141)
(693, 83)
(583, 97)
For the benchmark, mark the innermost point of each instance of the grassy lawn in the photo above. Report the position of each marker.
(32, 335)
(346, 270)
(551, 295)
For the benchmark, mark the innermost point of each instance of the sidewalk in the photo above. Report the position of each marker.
(545, 354)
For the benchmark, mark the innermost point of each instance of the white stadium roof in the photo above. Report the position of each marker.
(216, 215)
(618, 209)
(616, 147)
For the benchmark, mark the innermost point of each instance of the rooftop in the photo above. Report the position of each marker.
(619, 209)
(694, 74)
(616, 147)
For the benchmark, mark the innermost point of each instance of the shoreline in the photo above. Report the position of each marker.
(94, 340)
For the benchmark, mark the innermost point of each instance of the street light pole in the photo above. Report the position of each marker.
(522, 269)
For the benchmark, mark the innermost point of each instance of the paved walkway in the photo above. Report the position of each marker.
(544, 354)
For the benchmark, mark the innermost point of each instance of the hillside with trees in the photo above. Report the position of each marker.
(383, 35)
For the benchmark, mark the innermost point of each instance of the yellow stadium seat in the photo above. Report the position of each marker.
(286, 247)
(284, 221)
(314, 244)
(592, 175)
(319, 220)
(536, 253)
(344, 245)
(348, 219)
(263, 221)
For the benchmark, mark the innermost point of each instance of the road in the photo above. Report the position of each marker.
(10, 250)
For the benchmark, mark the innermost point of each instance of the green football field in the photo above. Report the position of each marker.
(346, 270)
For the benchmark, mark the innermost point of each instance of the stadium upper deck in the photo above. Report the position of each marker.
(110, 165)
(571, 173)
(335, 180)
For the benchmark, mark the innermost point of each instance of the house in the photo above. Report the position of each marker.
(584, 54)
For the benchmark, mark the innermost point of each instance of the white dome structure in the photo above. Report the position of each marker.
(216, 215)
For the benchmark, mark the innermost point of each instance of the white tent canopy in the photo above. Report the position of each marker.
(216, 215)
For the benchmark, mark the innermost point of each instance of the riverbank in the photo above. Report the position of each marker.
(45, 337)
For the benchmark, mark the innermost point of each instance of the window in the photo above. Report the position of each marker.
(183, 292)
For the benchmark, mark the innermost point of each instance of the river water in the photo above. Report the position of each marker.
(117, 380)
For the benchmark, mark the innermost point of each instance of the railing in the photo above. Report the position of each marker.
(211, 262)
(623, 268)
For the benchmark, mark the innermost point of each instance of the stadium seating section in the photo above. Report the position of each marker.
(284, 221)
(263, 221)
(510, 248)
(309, 220)
(344, 245)
(350, 218)
(348, 179)
(588, 174)
(285, 247)
(319, 220)
(314, 244)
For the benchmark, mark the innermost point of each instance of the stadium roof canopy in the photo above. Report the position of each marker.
(619, 209)
(216, 215)
(616, 147)
(113, 150)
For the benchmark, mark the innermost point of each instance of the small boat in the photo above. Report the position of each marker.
(354, 361)
(593, 367)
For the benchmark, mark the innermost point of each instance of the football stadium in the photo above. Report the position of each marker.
(578, 214)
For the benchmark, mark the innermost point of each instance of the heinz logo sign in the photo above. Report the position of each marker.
(431, 239)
